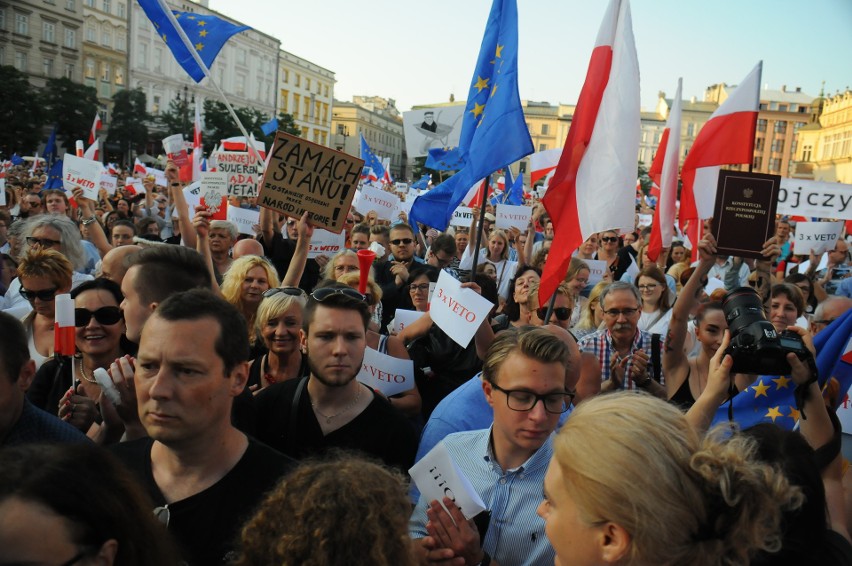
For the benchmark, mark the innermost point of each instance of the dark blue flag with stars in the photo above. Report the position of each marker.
(50, 148)
(54, 176)
(444, 159)
(206, 33)
(494, 132)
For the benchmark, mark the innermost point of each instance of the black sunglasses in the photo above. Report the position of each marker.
(104, 315)
(44, 294)
(292, 291)
(401, 241)
(43, 242)
(562, 313)
(324, 293)
(609, 239)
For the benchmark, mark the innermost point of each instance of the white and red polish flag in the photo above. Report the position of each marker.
(93, 151)
(543, 162)
(593, 188)
(473, 198)
(139, 167)
(664, 174)
(96, 125)
(726, 138)
(196, 143)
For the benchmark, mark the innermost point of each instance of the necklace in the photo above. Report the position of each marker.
(329, 418)
(90, 379)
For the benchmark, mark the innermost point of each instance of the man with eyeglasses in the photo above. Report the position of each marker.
(31, 206)
(392, 275)
(329, 408)
(524, 383)
(620, 356)
(828, 311)
(441, 254)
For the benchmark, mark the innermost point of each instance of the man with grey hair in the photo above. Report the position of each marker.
(222, 236)
(620, 356)
(828, 311)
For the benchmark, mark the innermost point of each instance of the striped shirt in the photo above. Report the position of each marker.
(516, 534)
(600, 345)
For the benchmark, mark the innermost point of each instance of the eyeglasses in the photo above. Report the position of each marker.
(611, 239)
(326, 292)
(292, 291)
(34, 203)
(561, 313)
(401, 241)
(756, 282)
(163, 514)
(78, 557)
(104, 315)
(615, 312)
(43, 242)
(521, 400)
(649, 287)
(422, 287)
(44, 294)
(825, 322)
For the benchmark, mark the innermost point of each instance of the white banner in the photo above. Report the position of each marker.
(797, 197)
(387, 374)
(457, 311)
(509, 216)
(437, 477)
(817, 236)
(244, 219)
(83, 173)
(327, 243)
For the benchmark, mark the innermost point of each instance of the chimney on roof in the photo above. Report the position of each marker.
(798, 89)
(783, 88)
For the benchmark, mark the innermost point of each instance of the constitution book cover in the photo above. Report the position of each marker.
(744, 216)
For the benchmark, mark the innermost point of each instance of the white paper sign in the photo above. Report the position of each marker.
(509, 216)
(632, 270)
(381, 201)
(385, 373)
(400, 187)
(597, 269)
(404, 317)
(437, 477)
(109, 183)
(244, 219)
(83, 173)
(159, 177)
(214, 187)
(458, 312)
(817, 236)
(134, 185)
(327, 243)
(192, 194)
(462, 216)
(402, 206)
(645, 219)
(816, 199)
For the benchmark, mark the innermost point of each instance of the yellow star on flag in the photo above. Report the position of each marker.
(794, 414)
(190, 17)
(199, 46)
(760, 389)
(477, 109)
(773, 413)
(481, 84)
(166, 39)
(202, 33)
(499, 51)
(781, 382)
(202, 23)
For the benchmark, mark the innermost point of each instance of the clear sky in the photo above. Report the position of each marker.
(420, 52)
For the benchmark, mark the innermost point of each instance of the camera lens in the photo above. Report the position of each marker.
(742, 307)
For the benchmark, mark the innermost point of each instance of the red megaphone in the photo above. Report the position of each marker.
(365, 261)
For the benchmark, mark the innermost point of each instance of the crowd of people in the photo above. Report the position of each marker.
(212, 413)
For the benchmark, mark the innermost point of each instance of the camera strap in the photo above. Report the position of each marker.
(800, 394)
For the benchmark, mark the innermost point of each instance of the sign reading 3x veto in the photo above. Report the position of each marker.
(304, 176)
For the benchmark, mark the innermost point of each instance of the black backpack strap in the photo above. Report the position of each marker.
(294, 412)
(655, 357)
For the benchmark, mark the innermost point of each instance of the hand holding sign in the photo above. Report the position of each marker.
(214, 194)
(437, 477)
(385, 373)
(509, 216)
(83, 173)
(458, 311)
(818, 237)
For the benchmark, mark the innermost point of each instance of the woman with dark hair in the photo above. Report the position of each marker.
(75, 504)
(100, 340)
(806, 286)
(515, 311)
(656, 305)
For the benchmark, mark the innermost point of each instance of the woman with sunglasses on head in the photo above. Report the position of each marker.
(99, 336)
(277, 325)
(496, 252)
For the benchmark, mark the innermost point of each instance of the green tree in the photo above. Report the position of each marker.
(219, 124)
(644, 180)
(20, 113)
(127, 127)
(179, 118)
(72, 107)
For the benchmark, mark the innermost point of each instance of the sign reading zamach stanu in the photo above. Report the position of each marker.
(306, 176)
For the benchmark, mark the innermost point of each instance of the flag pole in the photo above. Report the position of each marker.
(188, 44)
(479, 226)
(550, 304)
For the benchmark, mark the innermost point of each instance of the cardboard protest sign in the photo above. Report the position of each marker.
(385, 373)
(437, 477)
(243, 170)
(214, 194)
(462, 216)
(510, 216)
(83, 173)
(383, 202)
(306, 176)
(457, 311)
(404, 317)
(244, 219)
(109, 183)
(326, 243)
(175, 149)
(818, 237)
(597, 269)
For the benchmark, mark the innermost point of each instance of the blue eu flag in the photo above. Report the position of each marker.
(50, 148)
(54, 176)
(270, 127)
(494, 132)
(445, 159)
(371, 161)
(422, 183)
(207, 33)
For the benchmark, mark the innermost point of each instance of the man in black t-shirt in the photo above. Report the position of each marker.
(204, 476)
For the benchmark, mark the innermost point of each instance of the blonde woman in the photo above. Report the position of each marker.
(591, 316)
(496, 253)
(576, 280)
(277, 325)
(244, 284)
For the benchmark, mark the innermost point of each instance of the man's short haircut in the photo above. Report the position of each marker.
(337, 301)
(380, 230)
(444, 243)
(532, 342)
(14, 351)
(54, 192)
(226, 225)
(621, 286)
(166, 270)
(127, 224)
(792, 292)
(361, 229)
(402, 226)
(232, 344)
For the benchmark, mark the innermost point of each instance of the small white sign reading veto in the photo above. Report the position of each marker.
(83, 173)
(109, 183)
(192, 194)
(462, 216)
(510, 216)
(385, 373)
(817, 236)
(597, 269)
(400, 187)
(381, 201)
(244, 219)
(404, 317)
(457, 311)
(437, 477)
(327, 243)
